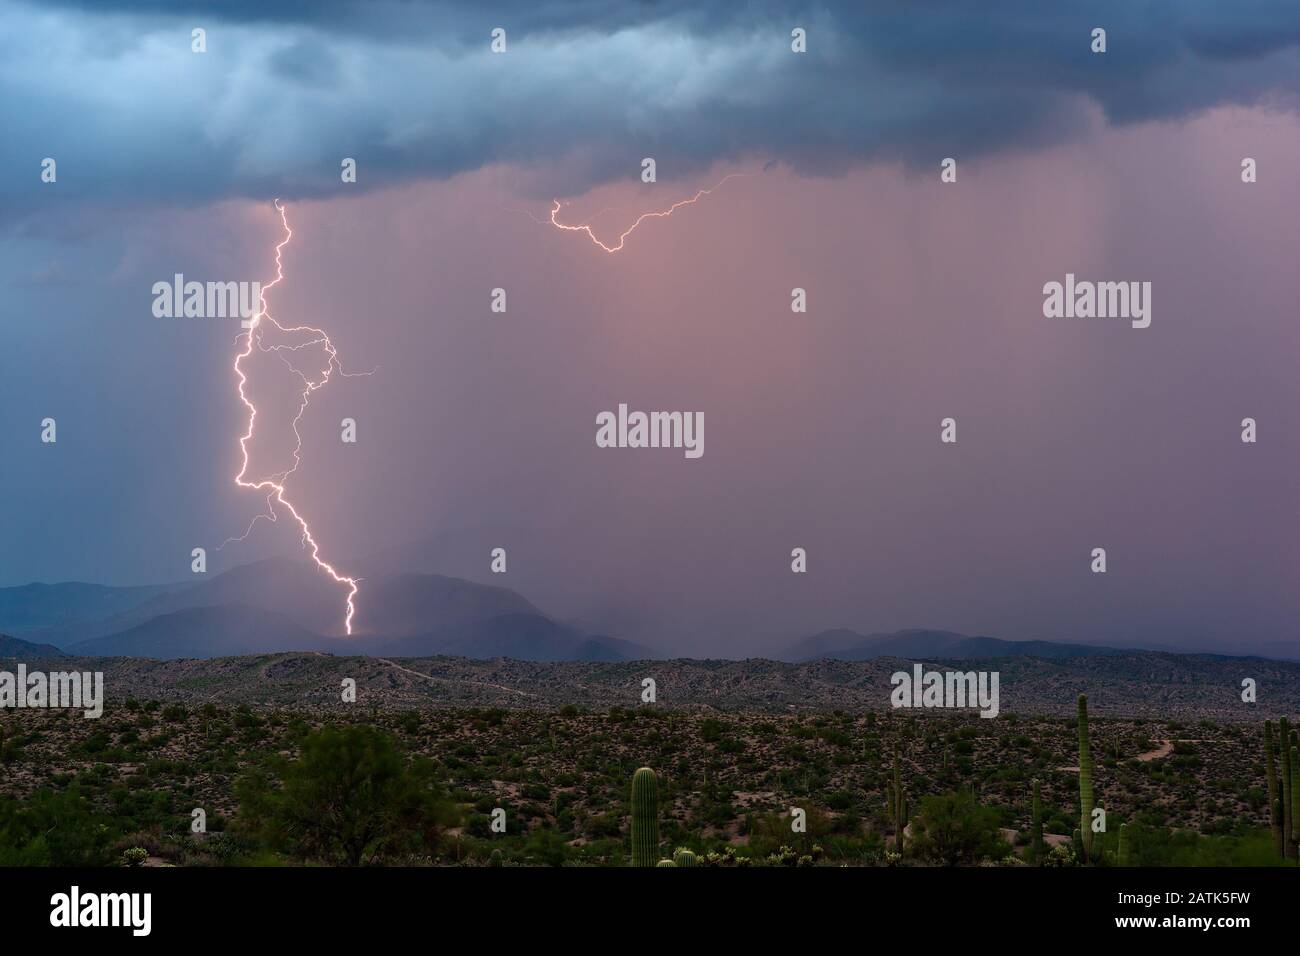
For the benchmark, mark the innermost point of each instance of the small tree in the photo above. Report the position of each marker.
(351, 797)
(952, 828)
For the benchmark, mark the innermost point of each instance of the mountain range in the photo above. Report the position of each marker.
(845, 645)
(286, 605)
(283, 605)
(12, 647)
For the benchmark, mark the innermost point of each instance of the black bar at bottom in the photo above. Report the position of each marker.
(919, 904)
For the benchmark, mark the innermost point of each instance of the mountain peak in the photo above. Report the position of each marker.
(14, 647)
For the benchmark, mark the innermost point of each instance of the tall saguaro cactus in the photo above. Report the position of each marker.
(1295, 797)
(1288, 810)
(1085, 780)
(1274, 799)
(1123, 845)
(645, 818)
(898, 804)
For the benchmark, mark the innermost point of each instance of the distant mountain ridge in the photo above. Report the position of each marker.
(292, 588)
(203, 632)
(14, 647)
(37, 606)
(846, 645)
(282, 605)
(403, 605)
(237, 630)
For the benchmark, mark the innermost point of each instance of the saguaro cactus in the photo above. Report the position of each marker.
(645, 818)
(1085, 780)
(1274, 798)
(1288, 826)
(1295, 798)
(898, 806)
(1123, 845)
(1036, 848)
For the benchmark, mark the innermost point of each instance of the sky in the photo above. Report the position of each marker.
(477, 429)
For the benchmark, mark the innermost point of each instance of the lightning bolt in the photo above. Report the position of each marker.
(275, 485)
(663, 214)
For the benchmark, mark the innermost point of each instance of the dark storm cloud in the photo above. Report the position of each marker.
(451, 21)
(307, 61)
(112, 91)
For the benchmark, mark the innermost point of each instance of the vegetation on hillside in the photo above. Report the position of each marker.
(421, 787)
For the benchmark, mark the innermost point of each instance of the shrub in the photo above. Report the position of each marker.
(351, 797)
(53, 829)
(952, 828)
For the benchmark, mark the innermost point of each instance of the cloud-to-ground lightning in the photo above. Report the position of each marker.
(662, 214)
(275, 484)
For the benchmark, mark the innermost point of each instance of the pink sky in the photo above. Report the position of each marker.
(822, 430)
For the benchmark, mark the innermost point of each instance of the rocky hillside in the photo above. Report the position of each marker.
(1146, 684)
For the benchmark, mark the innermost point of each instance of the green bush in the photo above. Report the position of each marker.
(953, 828)
(53, 829)
(350, 798)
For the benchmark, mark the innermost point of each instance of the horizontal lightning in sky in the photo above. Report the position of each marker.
(275, 485)
(622, 239)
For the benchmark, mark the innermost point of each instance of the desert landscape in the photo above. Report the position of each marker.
(735, 747)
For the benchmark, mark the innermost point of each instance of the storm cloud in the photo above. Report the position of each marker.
(113, 92)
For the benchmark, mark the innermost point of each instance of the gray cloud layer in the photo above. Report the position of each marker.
(113, 92)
